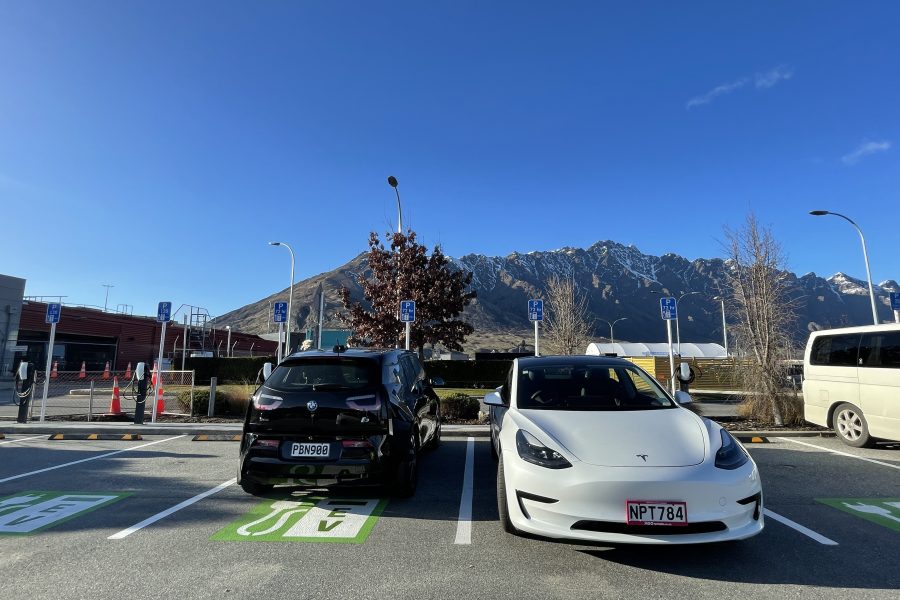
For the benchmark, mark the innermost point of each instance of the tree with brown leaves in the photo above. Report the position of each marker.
(404, 271)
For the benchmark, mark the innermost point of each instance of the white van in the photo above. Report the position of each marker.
(851, 382)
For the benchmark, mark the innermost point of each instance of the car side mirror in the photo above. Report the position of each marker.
(493, 399)
(683, 397)
(435, 382)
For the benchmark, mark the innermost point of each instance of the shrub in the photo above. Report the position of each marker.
(759, 408)
(460, 406)
(201, 402)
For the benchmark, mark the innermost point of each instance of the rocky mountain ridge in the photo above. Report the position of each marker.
(619, 281)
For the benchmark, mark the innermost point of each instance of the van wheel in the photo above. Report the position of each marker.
(850, 425)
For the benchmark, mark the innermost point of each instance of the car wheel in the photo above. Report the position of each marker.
(850, 425)
(502, 506)
(436, 438)
(494, 454)
(407, 475)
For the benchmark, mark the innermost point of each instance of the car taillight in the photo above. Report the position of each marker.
(266, 402)
(266, 443)
(366, 444)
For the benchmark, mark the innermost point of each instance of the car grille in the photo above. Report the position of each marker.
(624, 528)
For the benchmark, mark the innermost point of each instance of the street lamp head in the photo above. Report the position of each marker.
(818, 213)
(274, 243)
(392, 181)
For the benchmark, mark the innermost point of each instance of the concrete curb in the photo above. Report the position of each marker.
(230, 429)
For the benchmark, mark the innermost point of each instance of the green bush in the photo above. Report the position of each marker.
(460, 406)
(201, 402)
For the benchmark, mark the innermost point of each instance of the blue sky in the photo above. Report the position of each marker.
(157, 146)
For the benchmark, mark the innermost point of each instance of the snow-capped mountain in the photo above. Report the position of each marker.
(619, 281)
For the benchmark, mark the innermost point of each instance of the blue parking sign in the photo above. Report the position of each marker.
(53, 311)
(668, 308)
(407, 311)
(279, 312)
(535, 310)
(895, 300)
(164, 312)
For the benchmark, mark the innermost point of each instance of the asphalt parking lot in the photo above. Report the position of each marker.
(161, 518)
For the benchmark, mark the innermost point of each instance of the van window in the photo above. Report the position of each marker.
(835, 350)
(880, 350)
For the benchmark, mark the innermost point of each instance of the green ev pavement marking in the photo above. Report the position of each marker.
(884, 511)
(29, 512)
(306, 519)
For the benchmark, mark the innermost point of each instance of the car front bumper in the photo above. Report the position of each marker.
(586, 502)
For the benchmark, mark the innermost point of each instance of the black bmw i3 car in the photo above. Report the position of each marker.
(340, 417)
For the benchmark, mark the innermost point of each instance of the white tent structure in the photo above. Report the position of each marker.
(688, 350)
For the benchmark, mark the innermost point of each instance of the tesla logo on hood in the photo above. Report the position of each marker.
(644, 456)
(312, 405)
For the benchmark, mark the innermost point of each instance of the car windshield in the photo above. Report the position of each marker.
(588, 387)
(325, 374)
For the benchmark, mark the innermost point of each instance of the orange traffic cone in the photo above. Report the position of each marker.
(160, 404)
(106, 371)
(53, 372)
(83, 373)
(115, 405)
(153, 376)
(128, 372)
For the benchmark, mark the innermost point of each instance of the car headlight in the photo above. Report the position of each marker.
(731, 455)
(533, 451)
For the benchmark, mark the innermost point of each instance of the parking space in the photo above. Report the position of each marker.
(160, 516)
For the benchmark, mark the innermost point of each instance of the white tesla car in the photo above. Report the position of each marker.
(592, 448)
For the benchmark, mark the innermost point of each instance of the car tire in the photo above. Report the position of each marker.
(851, 427)
(502, 506)
(494, 454)
(406, 477)
(436, 438)
(255, 489)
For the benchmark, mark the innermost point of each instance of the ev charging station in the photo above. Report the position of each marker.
(24, 390)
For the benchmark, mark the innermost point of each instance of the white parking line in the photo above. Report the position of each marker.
(151, 520)
(21, 439)
(798, 527)
(84, 460)
(847, 454)
(464, 523)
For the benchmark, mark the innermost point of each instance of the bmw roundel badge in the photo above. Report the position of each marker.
(312, 405)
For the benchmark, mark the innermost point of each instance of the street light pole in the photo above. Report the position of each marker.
(819, 213)
(612, 340)
(287, 341)
(392, 181)
(228, 343)
(724, 325)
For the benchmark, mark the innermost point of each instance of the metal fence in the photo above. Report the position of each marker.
(89, 394)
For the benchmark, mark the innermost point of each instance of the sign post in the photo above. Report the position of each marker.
(669, 310)
(163, 314)
(408, 315)
(536, 314)
(895, 306)
(279, 315)
(53, 311)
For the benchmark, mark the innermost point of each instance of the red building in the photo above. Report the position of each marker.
(93, 337)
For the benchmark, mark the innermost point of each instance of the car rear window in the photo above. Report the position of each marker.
(325, 374)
